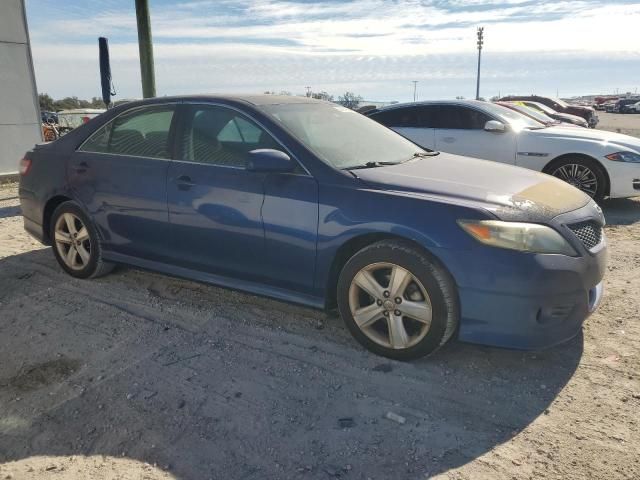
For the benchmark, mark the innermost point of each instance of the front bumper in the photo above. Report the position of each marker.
(624, 179)
(524, 300)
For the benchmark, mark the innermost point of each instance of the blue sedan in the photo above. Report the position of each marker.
(309, 202)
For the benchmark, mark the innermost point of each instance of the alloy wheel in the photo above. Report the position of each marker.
(579, 176)
(72, 241)
(390, 305)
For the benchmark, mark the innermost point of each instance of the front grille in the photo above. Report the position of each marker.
(589, 233)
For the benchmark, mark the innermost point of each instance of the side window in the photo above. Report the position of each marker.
(99, 141)
(428, 116)
(221, 136)
(141, 133)
(461, 118)
(398, 117)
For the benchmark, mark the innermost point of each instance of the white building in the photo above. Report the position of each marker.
(19, 112)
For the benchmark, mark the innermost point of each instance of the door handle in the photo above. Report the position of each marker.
(184, 182)
(81, 167)
(448, 139)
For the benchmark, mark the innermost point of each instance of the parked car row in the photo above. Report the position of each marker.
(620, 105)
(559, 106)
(310, 202)
(538, 113)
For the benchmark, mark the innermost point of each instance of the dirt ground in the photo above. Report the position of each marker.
(141, 376)
(627, 123)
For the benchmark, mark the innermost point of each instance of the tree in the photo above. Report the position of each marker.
(350, 100)
(322, 96)
(46, 102)
(96, 102)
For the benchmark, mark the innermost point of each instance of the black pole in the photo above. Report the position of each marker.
(105, 71)
(145, 46)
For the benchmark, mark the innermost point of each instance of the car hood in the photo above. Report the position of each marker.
(570, 117)
(610, 140)
(511, 193)
(580, 108)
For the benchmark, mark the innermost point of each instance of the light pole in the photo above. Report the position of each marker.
(145, 46)
(480, 43)
(415, 84)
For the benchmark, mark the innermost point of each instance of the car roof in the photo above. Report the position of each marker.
(431, 102)
(256, 100)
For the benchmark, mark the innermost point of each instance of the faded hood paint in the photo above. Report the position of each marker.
(511, 193)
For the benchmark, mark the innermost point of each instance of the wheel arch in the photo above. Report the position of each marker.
(47, 213)
(549, 166)
(354, 245)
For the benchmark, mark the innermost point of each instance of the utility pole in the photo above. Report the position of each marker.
(145, 46)
(415, 84)
(308, 91)
(480, 43)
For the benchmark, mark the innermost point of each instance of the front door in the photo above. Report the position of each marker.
(460, 130)
(214, 202)
(228, 221)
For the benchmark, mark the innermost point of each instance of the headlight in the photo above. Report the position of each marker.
(629, 157)
(526, 237)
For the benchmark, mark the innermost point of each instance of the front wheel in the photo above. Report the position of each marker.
(583, 173)
(397, 301)
(75, 242)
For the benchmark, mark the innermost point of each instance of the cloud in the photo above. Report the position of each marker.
(371, 46)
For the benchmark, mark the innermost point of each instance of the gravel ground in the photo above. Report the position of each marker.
(627, 123)
(142, 376)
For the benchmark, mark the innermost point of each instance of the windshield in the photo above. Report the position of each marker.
(562, 103)
(543, 107)
(515, 119)
(530, 112)
(341, 137)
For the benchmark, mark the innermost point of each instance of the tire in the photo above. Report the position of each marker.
(72, 229)
(566, 170)
(430, 287)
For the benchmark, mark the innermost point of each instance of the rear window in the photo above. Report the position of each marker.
(140, 133)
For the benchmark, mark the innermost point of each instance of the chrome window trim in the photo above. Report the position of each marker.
(125, 155)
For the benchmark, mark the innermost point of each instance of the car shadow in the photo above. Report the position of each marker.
(12, 211)
(621, 211)
(209, 383)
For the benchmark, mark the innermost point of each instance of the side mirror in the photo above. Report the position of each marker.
(268, 160)
(495, 126)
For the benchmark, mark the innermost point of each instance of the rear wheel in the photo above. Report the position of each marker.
(397, 301)
(75, 242)
(583, 173)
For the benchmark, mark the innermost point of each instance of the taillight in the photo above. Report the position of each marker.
(25, 166)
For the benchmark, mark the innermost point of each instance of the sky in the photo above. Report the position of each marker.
(374, 48)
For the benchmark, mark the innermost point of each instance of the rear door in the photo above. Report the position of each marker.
(460, 130)
(119, 174)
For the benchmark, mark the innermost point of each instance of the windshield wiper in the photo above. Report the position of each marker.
(371, 165)
(384, 164)
(424, 154)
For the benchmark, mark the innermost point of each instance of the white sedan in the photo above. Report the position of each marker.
(600, 163)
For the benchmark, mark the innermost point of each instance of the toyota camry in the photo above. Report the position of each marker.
(309, 202)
